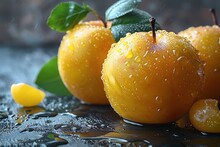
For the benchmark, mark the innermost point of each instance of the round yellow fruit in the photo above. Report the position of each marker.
(205, 115)
(80, 58)
(26, 95)
(206, 40)
(149, 82)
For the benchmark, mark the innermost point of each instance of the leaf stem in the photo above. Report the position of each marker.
(100, 18)
(152, 22)
(214, 17)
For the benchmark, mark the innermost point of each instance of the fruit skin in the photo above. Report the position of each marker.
(26, 95)
(80, 58)
(152, 83)
(206, 39)
(205, 116)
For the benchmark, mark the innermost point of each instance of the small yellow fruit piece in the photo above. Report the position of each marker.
(205, 116)
(26, 95)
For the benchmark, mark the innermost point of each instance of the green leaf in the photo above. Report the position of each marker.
(51, 136)
(120, 8)
(66, 15)
(49, 79)
(135, 21)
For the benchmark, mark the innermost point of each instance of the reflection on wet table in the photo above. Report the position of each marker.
(64, 121)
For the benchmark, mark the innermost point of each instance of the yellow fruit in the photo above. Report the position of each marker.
(206, 40)
(26, 95)
(149, 82)
(205, 116)
(80, 58)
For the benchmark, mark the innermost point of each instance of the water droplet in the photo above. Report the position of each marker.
(156, 59)
(113, 45)
(200, 72)
(145, 54)
(130, 76)
(156, 98)
(114, 83)
(174, 52)
(137, 59)
(145, 64)
(164, 57)
(158, 110)
(175, 135)
(165, 79)
(215, 70)
(128, 34)
(127, 64)
(129, 54)
(203, 133)
(195, 32)
(180, 58)
(133, 123)
(145, 78)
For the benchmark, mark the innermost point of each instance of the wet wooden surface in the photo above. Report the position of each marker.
(64, 121)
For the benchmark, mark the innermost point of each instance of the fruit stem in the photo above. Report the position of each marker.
(152, 22)
(100, 18)
(214, 17)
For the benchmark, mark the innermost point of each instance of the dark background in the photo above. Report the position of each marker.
(23, 22)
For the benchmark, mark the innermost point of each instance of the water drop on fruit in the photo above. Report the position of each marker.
(129, 54)
(130, 76)
(145, 54)
(145, 78)
(156, 98)
(145, 64)
(179, 58)
(137, 59)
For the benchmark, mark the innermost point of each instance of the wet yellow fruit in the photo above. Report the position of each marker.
(207, 41)
(80, 58)
(149, 82)
(205, 116)
(26, 95)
